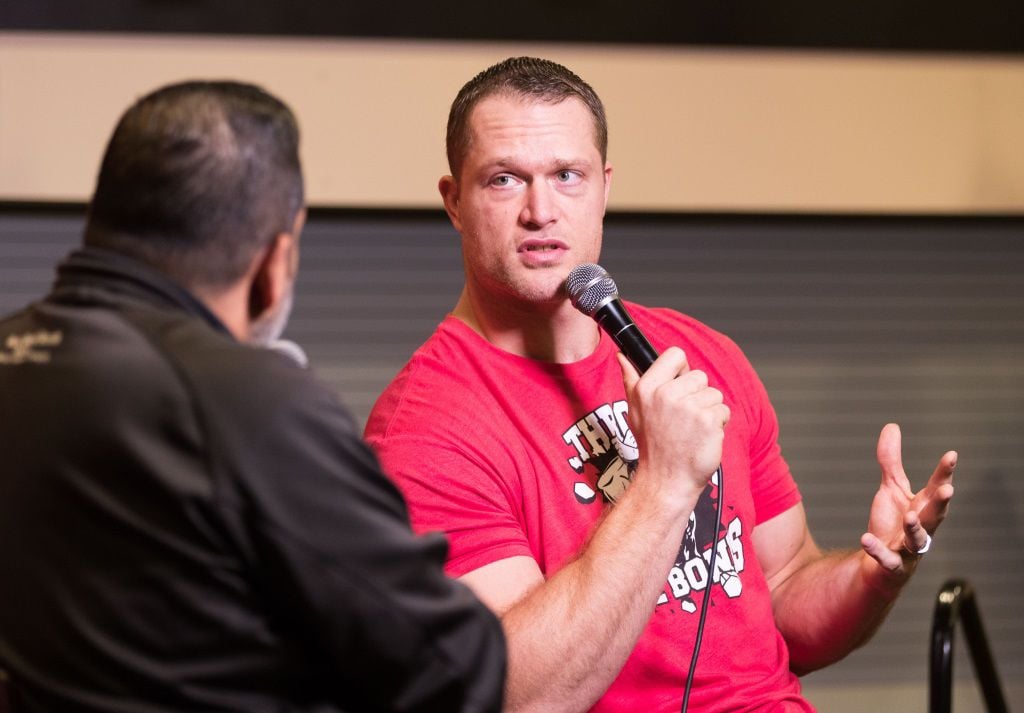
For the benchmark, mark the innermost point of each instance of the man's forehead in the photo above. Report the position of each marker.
(508, 101)
(496, 109)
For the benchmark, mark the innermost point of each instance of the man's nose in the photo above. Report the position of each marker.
(541, 207)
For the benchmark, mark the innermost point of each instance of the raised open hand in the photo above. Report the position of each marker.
(901, 521)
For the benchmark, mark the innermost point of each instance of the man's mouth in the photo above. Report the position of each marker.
(535, 246)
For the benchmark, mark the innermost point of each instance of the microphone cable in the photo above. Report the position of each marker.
(707, 591)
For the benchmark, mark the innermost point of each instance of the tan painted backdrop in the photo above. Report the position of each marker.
(691, 129)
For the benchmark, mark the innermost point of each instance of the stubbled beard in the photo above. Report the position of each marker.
(269, 327)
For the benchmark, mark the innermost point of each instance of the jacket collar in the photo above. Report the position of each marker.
(106, 277)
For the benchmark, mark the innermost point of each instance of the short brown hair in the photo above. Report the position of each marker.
(196, 179)
(527, 77)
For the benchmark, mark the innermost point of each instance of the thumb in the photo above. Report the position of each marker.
(629, 373)
(890, 455)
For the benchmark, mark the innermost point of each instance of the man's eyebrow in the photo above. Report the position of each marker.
(501, 162)
(559, 163)
(573, 162)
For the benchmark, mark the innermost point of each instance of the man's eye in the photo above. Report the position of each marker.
(501, 181)
(568, 176)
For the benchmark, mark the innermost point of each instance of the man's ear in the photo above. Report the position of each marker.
(449, 189)
(274, 273)
(607, 183)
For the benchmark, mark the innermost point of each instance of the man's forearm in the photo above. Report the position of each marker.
(569, 638)
(831, 606)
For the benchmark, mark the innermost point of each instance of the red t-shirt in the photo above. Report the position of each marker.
(510, 456)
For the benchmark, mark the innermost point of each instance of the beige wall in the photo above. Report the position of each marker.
(690, 129)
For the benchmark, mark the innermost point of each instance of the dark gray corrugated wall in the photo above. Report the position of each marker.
(850, 322)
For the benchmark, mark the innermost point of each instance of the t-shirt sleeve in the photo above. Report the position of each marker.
(772, 487)
(458, 490)
(771, 483)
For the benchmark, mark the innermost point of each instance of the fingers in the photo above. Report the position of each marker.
(671, 364)
(886, 558)
(932, 503)
(665, 368)
(895, 558)
(915, 536)
(629, 373)
(943, 474)
(890, 457)
(677, 419)
(901, 522)
(670, 379)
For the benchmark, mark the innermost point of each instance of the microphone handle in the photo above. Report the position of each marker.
(614, 319)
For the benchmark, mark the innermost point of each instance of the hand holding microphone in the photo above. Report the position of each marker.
(676, 416)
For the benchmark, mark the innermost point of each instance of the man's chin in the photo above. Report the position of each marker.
(550, 291)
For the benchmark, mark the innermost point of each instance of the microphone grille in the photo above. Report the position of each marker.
(291, 350)
(589, 287)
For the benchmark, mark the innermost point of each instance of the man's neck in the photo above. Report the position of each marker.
(556, 333)
(229, 305)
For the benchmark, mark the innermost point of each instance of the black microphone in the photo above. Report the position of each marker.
(593, 292)
(292, 351)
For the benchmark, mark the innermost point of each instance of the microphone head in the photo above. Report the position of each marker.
(590, 288)
(291, 350)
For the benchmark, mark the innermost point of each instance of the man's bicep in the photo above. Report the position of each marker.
(501, 584)
(783, 545)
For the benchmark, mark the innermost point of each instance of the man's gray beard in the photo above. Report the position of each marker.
(268, 328)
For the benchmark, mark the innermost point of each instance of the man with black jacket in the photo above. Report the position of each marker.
(189, 521)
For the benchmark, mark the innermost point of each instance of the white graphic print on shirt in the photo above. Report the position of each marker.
(604, 450)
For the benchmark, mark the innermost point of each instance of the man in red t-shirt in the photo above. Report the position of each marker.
(577, 495)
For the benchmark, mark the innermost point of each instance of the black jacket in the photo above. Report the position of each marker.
(189, 523)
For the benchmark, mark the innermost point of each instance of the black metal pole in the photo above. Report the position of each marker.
(940, 662)
(956, 602)
(981, 656)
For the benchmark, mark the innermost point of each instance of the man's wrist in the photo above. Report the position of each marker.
(885, 582)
